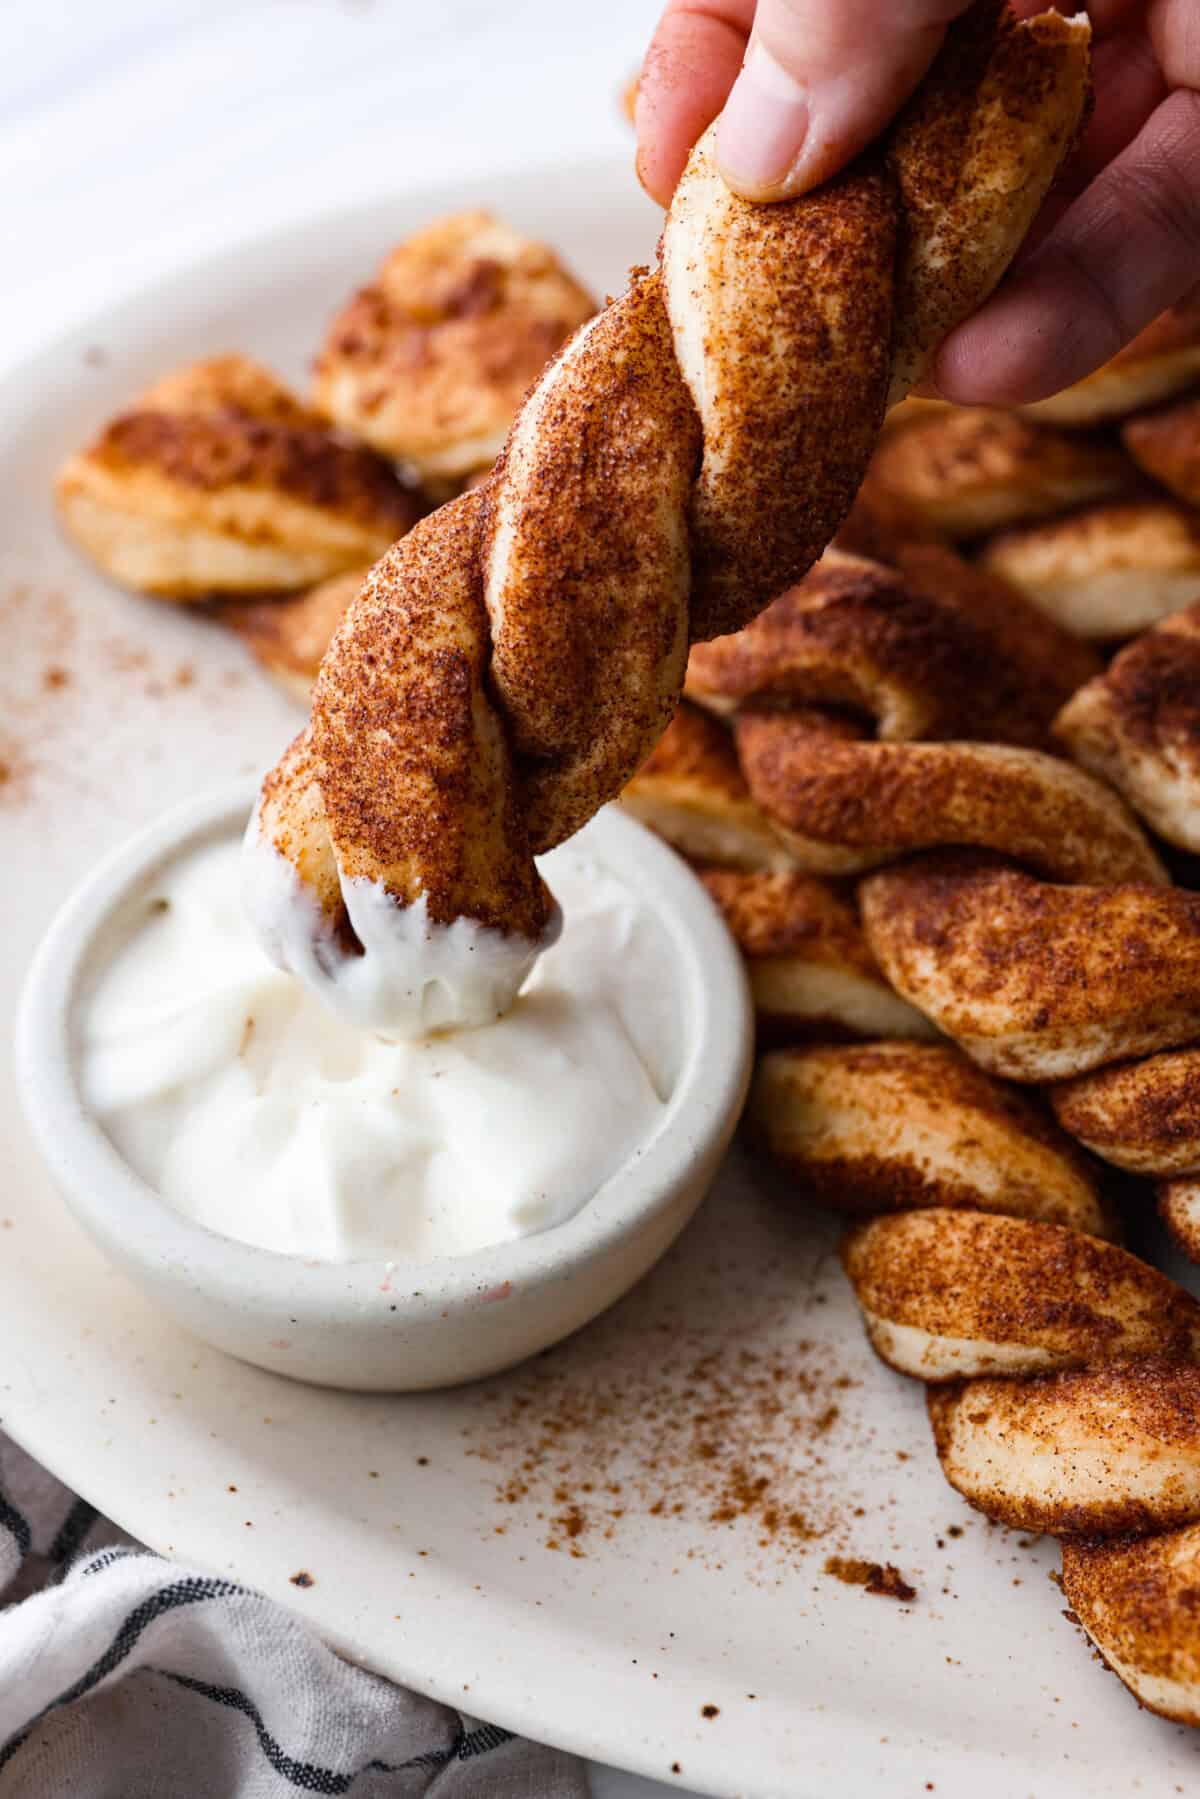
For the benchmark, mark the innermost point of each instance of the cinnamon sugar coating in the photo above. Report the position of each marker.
(1179, 1209)
(669, 473)
(882, 1127)
(292, 822)
(782, 317)
(811, 973)
(842, 804)
(1138, 726)
(961, 1293)
(218, 481)
(1037, 981)
(415, 771)
(430, 362)
(586, 552)
(1143, 1116)
(969, 471)
(932, 648)
(972, 172)
(1137, 1599)
(1089, 1452)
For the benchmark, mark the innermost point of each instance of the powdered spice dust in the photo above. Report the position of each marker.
(65, 669)
(708, 1402)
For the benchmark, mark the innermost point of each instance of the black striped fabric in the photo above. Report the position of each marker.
(213, 1675)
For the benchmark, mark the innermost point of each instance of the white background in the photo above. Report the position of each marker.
(135, 134)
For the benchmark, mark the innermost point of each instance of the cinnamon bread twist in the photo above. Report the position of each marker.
(513, 661)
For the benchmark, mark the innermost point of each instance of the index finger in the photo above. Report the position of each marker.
(692, 63)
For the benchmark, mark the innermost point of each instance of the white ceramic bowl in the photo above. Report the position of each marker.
(369, 1324)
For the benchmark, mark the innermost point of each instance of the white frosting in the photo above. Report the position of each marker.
(230, 1088)
(412, 976)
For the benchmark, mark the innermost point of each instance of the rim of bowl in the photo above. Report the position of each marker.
(116, 1204)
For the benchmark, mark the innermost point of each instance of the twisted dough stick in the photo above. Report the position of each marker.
(511, 663)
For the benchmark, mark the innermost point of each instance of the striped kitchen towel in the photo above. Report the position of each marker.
(124, 1676)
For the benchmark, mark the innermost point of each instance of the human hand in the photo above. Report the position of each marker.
(1118, 241)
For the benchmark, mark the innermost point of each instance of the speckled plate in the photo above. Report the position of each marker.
(621, 1548)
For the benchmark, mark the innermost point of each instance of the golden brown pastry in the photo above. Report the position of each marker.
(950, 1294)
(886, 1126)
(972, 471)
(929, 647)
(810, 286)
(430, 362)
(692, 792)
(1144, 1116)
(1106, 571)
(1136, 1599)
(218, 481)
(817, 287)
(1166, 444)
(1090, 1452)
(972, 176)
(843, 803)
(1179, 1209)
(1036, 981)
(290, 636)
(1138, 727)
(851, 635)
(811, 973)
(587, 687)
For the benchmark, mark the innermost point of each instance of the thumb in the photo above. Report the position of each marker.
(822, 78)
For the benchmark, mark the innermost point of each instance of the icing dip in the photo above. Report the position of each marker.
(231, 1089)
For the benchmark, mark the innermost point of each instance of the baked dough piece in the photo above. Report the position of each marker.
(1138, 727)
(971, 471)
(692, 792)
(843, 803)
(1179, 1209)
(430, 362)
(1022, 974)
(289, 637)
(1166, 444)
(1090, 1452)
(797, 325)
(1106, 571)
(1136, 1600)
(417, 779)
(586, 578)
(811, 973)
(883, 1127)
(1143, 1116)
(218, 481)
(929, 647)
(782, 317)
(946, 1294)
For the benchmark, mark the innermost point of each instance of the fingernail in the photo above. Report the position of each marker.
(763, 126)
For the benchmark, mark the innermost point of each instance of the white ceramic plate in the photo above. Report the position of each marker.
(578, 1550)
